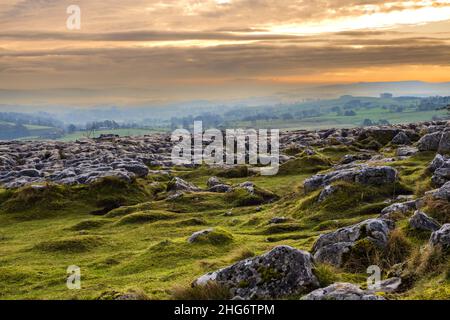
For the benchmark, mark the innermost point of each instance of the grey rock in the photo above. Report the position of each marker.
(341, 291)
(441, 237)
(282, 272)
(444, 144)
(29, 173)
(401, 139)
(443, 193)
(326, 193)
(138, 169)
(440, 176)
(194, 237)
(333, 254)
(278, 220)
(438, 162)
(402, 208)
(364, 175)
(349, 158)
(389, 285)
(421, 221)
(429, 142)
(331, 247)
(406, 151)
(213, 181)
(221, 188)
(178, 184)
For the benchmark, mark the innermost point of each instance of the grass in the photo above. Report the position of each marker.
(141, 246)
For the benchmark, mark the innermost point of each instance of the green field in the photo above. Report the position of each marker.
(334, 121)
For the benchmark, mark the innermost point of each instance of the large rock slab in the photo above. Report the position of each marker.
(341, 291)
(441, 237)
(376, 176)
(178, 184)
(282, 272)
(421, 221)
(332, 247)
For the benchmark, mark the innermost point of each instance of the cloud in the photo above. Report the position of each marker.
(168, 46)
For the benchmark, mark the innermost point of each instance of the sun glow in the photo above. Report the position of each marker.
(370, 21)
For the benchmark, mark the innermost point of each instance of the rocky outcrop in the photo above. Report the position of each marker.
(430, 142)
(421, 221)
(443, 193)
(282, 272)
(441, 237)
(401, 139)
(402, 208)
(376, 176)
(444, 144)
(332, 247)
(341, 291)
(178, 184)
(406, 151)
(440, 167)
(81, 162)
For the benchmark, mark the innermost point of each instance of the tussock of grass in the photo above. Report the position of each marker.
(242, 254)
(428, 261)
(71, 244)
(326, 274)
(281, 228)
(438, 209)
(236, 172)
(305, 164)
(240, 197)
(211, 291)
(88, 224)
(132, 294)
(50, 197)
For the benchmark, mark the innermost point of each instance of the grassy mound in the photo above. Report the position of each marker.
(145, 217)
(123, 211)
(30, 203)
(305, 164)
(88, 225)
(74, 244)
(216, 237)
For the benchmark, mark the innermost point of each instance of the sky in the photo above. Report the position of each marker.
(155, 52)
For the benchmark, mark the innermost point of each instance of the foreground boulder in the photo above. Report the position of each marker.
(282, 272)
(341, 291)
(441, 237)
(332, 247)
(421, 221)
(363, 174)
(430, 142)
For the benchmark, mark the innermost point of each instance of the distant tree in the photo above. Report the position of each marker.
(71, 128)
(367, 123)
(350, 113)
(287, 116)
